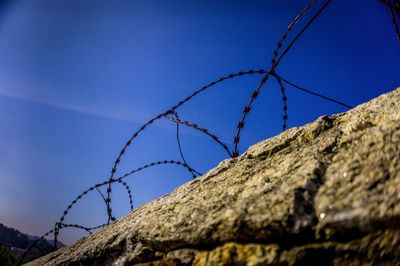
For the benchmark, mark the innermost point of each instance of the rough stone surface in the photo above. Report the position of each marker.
(325, 193)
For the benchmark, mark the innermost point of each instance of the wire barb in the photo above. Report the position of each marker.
(275, 62)
(172, 115)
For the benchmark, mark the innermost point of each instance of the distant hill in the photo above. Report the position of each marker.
(18, 242)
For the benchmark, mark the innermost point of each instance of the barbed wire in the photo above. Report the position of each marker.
(52, 231)
(205, 131)
(97, 186)
(284, 99)
(159, 116)
(395, 8)
(275, 62)
(242, 121)
(173, 116)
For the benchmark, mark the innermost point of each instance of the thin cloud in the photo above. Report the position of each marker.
(18, 94)
(19, 119)
(103, 112)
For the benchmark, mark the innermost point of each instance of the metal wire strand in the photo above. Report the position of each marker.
(184, 163)
(284, 100)
(34, 244)
(151, 121)
(312, 92)
(97, 186)
(257, 91)
(394, 20)
(205, 131)
(62, 225)
(289, 28)
(128, 189)
(277, 56)
(190, 169)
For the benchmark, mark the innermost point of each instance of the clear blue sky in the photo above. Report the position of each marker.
(78, 77)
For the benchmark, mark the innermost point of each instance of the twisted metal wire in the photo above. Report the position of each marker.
(289, 28)
(178, 140)
(312, 92)
(275, 63)
(62, 225)
(58, 226)
(101, 194)
(184, 163)
(284, 99)
(168, 112)
(129, 193)
(277, 57)
(127, 188)
(395, 7)
(205, 131)
(34, 244)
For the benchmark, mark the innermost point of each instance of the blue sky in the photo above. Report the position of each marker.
(77, 78)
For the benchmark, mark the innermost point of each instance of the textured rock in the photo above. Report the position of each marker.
(324, 193)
